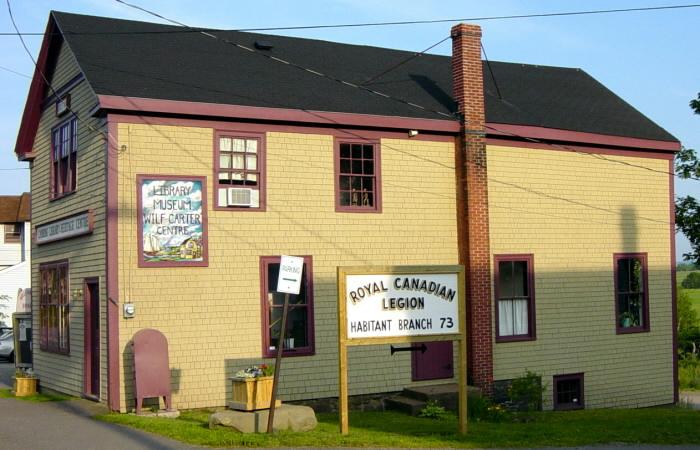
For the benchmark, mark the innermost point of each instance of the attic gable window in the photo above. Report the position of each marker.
(64, 153)
(240, 171)
(358, 186)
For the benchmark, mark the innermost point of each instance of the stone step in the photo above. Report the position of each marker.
(447, 395)
(405, 405)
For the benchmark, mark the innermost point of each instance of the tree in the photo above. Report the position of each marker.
(688, 208)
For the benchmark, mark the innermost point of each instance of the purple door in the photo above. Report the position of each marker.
(435, 363)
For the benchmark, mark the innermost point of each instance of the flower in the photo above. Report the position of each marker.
(262, 370)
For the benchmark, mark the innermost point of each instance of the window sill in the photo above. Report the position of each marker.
(240, 208)
(631, 330)
(346, 209)
(288, 354)
(524, 338)
(53, 197)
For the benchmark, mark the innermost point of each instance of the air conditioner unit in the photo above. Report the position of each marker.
(240, 197)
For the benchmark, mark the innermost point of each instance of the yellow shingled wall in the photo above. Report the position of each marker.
(211, 315)
(573, 211)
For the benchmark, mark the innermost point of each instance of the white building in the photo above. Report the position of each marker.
(15, 244)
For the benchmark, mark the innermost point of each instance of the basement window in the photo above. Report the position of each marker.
(568, 392)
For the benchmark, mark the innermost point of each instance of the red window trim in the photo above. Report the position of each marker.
(565, 377)
(529, 258)
(45, 344)
(265, 313)
(54, 193)
(262, 166)
(377, 176)
(645, 328)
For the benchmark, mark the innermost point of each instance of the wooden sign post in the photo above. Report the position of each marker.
(289, 282)
(400, 304)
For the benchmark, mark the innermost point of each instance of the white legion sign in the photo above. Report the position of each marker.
(390, 305)
(400, 304)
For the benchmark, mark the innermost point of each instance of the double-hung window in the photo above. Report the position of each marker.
(13, 232)
(631, 297)
(240, 171)
(515, 298)
(54, 307)
(299, 333)
(358, 186)
(64, 153)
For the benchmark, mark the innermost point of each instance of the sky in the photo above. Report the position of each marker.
(650, 59)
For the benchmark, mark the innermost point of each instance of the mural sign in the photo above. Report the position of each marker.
(172, 221)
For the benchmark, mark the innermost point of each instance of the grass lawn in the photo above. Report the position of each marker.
(693, 293)
(389, 429)
(7, 393)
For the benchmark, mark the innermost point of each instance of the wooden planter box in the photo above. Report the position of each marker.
(25, 386)
(250, 394)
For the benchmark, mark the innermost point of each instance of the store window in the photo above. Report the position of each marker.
(13, 233)
(631, 296)
(515, 298)
(299, 333)
(54, 307)
(357, 177)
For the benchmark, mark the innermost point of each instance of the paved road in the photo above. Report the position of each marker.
(68, 425)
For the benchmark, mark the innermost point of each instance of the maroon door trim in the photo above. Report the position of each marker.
(91, 338)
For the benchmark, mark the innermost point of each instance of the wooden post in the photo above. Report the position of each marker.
(278, 364)
(342, 356)
(343, 396)
(463, 394)
(463, 391)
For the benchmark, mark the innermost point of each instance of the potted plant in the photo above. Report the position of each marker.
(252, 388)
(25, 382)
(627, 320)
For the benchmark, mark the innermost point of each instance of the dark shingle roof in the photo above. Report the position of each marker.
(191, 67)
(15, 208)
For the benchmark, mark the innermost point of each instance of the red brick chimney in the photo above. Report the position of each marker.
(473, 210)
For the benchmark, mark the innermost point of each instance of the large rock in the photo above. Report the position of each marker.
(287, 417)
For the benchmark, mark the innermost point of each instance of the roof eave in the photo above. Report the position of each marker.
(328, 118)
(32, 107)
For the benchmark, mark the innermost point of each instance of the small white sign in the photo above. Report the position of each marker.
(417, 304)
(289, 280)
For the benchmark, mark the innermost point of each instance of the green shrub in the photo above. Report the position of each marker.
(433, 410)
(525, 392)
(482, 409)
(689, 373)
(688, 326)
(692, 281)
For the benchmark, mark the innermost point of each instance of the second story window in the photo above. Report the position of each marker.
(13, 233)
(357, 182)
(64, 152)
(240, 171)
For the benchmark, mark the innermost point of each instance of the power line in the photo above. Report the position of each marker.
(15, 72)
(295, 65)
(36, 67)
(401, 63)
(378, 24)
